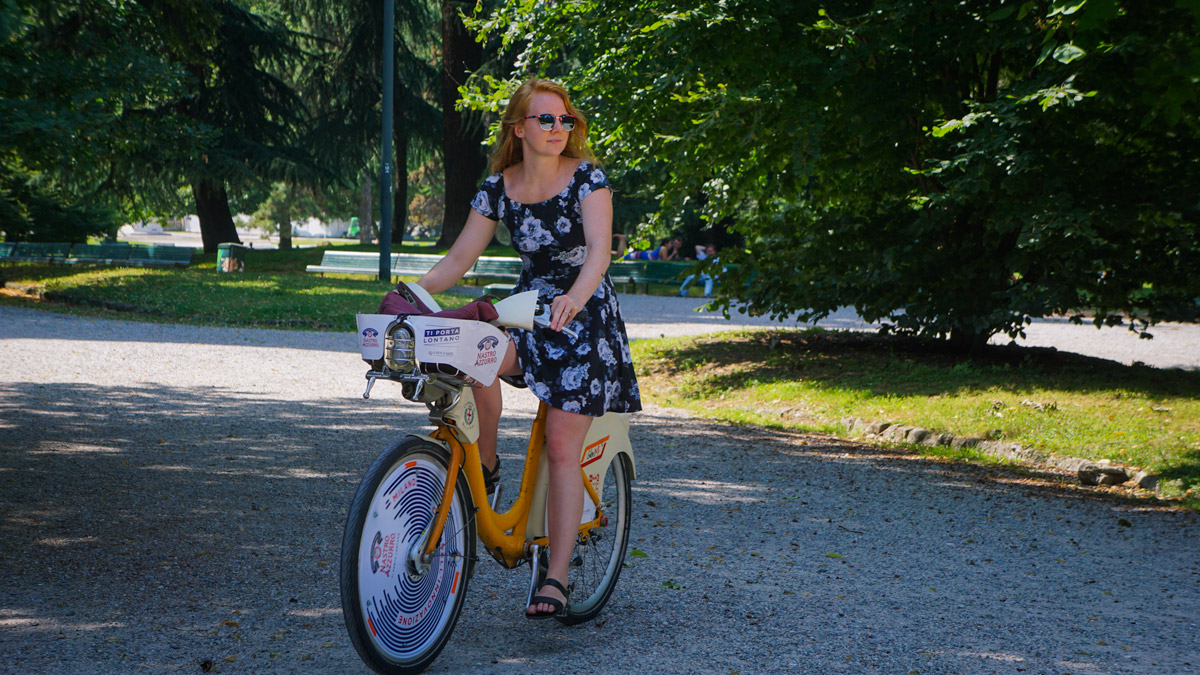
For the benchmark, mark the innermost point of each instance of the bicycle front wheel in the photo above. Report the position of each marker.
(598, 559)
(399, 612)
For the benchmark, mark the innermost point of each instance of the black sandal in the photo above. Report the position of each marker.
(560, 606)
(491, 477)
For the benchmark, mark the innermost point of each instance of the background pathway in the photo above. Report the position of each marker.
(173, 496)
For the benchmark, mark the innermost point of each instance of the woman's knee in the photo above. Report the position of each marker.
(565, 433)
(558, 451)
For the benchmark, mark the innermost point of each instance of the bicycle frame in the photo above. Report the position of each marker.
(508, 536)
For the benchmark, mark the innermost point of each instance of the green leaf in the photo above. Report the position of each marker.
(637, 553)
(1002, 13)
(1046, 51)
(943, 129)
(1067, 8)
(1068, 53)
(835, 555)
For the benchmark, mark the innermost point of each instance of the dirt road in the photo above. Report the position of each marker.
(172, 499)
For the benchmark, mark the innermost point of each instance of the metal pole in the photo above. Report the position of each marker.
(385, 177)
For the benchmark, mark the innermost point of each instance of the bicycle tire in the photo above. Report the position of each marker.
(399, 619)
(597, 562)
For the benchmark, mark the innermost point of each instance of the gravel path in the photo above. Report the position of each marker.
(173, 497)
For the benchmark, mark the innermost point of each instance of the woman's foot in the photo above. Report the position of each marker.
(550, 601)
(491, 476)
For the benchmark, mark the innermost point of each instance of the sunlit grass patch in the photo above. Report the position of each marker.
(1055, 402)
(204, 297)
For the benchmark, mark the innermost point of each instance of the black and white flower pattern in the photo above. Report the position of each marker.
(591, 375)
(573, 257)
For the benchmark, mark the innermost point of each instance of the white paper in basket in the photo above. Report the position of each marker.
(473, 347)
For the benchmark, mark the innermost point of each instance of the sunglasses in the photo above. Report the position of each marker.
(546, 121)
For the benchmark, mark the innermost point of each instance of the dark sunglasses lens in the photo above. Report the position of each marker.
(546, 121)
(568, 122)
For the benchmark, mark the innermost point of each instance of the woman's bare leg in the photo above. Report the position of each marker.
(565, 433)
(490, 403)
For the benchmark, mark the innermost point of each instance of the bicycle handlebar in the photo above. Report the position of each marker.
(543, 311)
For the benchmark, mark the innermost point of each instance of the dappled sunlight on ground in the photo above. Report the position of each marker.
(702, 491)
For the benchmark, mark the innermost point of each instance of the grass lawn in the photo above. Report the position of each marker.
(1058, 402)
(810, 380)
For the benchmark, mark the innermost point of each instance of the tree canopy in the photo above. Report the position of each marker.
(115, 110)
(952, 169)
(82, 107)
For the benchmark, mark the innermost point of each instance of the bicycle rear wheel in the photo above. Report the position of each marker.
(597, 561)
(400, 614)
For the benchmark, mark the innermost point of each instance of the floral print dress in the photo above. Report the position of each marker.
(590, 375)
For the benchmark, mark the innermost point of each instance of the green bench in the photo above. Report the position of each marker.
(496, 268)
(508, 269)
(412, 264)
(625, 272)
(27, 251)
(633, 273)
(347, 262)
(100, 253)
(367, 263)
(646, 272)
(160, 256)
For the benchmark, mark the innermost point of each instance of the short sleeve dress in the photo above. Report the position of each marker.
(590, 375)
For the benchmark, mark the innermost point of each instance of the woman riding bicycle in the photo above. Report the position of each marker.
(557, 205)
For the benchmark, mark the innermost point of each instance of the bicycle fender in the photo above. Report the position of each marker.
(607, 438)
(436, 441)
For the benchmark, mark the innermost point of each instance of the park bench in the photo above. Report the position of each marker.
(655, 272)
(622, 272)
(507, 269)
(160, 256)
(27, 251)
(106, 254)
(115, 253)
(347, 262)
(496, 268)
(625, 272)
(412, 264)
(367, 263)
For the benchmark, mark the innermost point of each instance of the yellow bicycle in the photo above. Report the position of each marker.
(408, 551)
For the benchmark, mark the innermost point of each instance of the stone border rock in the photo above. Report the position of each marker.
(1088, 472)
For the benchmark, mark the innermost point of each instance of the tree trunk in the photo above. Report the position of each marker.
(285, 219)
(366, 224)
(462, 142)
(212, 207)
(968, 342)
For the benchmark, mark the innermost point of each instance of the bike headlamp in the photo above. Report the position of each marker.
(399, 348)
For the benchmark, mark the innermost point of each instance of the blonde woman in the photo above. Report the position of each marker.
(556, 203)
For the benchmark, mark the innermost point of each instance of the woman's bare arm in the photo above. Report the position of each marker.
(597, 213)
(471, 242)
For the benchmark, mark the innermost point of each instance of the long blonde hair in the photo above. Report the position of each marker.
(508, 150)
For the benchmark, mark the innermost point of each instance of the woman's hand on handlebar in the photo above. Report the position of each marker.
(562, 310)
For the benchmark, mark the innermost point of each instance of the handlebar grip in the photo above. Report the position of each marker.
(543, 312)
